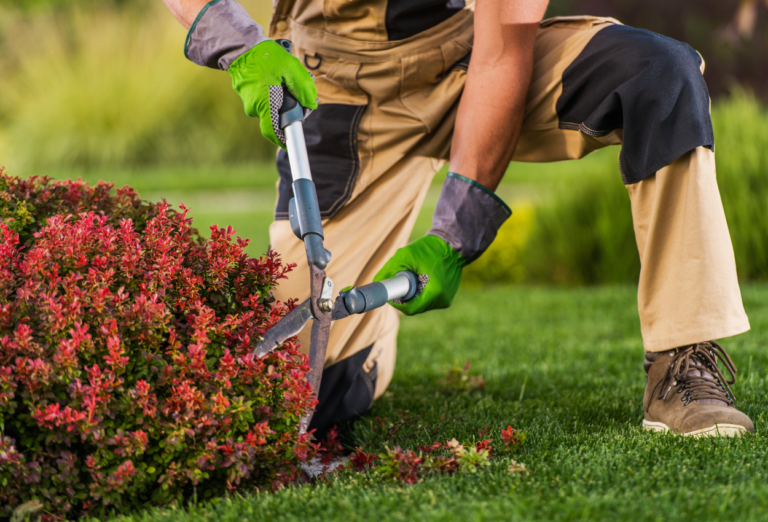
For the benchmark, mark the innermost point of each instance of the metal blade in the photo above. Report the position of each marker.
(321, 330)
(318, 344)
(286, 327)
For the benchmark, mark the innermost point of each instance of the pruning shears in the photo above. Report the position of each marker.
(304, 215)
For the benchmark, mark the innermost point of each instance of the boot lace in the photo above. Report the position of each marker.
(697, 376)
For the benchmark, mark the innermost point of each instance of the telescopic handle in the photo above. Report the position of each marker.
(291, 110)
(373, 295)
(304, 209)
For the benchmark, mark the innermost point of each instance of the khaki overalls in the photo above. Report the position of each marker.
(384, 127)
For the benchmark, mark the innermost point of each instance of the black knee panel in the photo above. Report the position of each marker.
(346, 392)
(648, 85)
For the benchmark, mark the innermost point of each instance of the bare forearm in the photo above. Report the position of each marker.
(493, 103)
(489, 121)
(185, 11)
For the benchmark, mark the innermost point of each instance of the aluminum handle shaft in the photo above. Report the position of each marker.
(400, 286)
(297, 151)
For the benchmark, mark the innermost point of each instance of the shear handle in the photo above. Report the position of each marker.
(373, 295)
(308, 223)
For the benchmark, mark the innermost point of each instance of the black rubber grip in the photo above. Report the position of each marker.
(285, 44)
(290, 111)
(307, 207)
(364, 298)
(289, 103)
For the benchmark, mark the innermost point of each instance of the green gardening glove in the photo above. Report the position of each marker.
(464, 224)
(427, 256)
(258, 77)
(224, 36)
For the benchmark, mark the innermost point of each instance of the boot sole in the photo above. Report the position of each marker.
(718, 430)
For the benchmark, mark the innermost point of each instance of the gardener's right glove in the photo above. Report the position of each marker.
(464, 225)
(225, 37)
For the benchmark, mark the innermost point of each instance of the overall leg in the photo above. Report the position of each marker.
(598, 83)
(651, 88)
(368, 146)
(647, 92)
(688, 291)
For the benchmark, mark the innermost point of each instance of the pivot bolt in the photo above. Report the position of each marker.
(325, 305)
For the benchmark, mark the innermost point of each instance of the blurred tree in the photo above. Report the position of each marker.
(742, 27)
(735, 52)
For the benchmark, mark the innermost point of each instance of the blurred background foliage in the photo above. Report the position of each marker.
(100, 89)
(105, 83)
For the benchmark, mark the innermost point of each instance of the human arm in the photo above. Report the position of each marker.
(223, 36)
(185, 11)
(468, 213)
(491, 109)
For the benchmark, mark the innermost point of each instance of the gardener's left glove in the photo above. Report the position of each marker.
(225, 37)
(464, 224)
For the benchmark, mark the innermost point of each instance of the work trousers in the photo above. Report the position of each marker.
(384, 127)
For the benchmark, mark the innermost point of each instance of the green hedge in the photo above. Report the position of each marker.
(741, 144)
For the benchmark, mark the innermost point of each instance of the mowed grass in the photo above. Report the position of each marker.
(564, 366)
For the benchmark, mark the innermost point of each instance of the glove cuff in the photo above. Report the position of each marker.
(468, 216)
(221, 33)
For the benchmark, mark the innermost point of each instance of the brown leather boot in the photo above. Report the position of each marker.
(687, 393)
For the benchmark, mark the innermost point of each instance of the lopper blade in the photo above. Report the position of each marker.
(285, 328)
(321, 330)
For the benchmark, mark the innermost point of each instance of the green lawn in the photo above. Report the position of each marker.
(565, 366)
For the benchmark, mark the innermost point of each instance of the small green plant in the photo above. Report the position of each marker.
(409, 466)
(512, 439)
(459, 379)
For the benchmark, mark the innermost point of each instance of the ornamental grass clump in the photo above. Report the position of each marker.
(127, 377)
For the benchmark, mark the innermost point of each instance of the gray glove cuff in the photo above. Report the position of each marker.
(222, 32)
(468, 216)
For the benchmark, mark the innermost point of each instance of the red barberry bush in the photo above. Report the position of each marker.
(127, 377)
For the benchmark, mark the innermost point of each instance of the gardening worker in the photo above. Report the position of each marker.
(403, 86)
